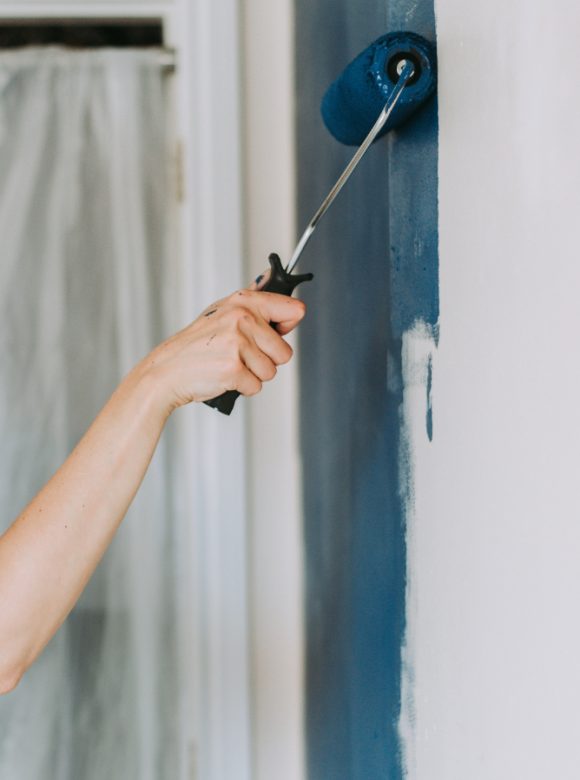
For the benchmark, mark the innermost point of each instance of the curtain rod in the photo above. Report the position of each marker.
(167, 57)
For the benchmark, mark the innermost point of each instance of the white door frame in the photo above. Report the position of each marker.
(206, 37)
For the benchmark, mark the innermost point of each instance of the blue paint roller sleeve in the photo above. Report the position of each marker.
(352, 103)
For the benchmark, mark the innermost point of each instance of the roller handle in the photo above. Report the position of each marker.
(279, 282)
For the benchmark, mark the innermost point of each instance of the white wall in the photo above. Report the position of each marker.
(495, 535)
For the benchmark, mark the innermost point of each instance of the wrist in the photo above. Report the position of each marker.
(146, 386)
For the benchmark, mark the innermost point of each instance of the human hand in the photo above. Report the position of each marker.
(230, 346)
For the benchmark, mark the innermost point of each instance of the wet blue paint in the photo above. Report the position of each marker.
(353, 102)
(376, 261)
(413, 187)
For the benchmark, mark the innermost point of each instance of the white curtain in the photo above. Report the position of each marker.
(87, 287)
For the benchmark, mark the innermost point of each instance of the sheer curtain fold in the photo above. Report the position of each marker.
(85, 227)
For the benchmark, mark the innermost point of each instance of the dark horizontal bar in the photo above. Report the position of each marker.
(81, 33)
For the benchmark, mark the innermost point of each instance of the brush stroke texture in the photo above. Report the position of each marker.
(375, 258)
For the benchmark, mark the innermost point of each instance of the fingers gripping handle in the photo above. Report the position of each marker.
(279, 282)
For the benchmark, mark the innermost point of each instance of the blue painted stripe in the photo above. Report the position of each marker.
(376, 263)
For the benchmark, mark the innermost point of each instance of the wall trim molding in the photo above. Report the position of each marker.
(206, 36)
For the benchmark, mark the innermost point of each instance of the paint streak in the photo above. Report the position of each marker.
(209, 313)
(429, 415)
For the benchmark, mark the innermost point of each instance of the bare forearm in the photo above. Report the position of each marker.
(51, 550)
(53, 547)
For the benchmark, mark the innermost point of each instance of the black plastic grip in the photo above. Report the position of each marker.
(279, 282)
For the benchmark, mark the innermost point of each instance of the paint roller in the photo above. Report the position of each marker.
(378, 92)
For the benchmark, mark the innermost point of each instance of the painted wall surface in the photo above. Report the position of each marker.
(376, 275)
(494, 543)
(346, 531)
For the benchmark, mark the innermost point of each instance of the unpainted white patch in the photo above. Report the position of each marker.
(418, 348)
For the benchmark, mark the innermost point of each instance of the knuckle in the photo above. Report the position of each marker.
(232, 365)
(254, 388)
(300, 307)
(235, 314)
(238, 298)
(234, 341)
(285, 354)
